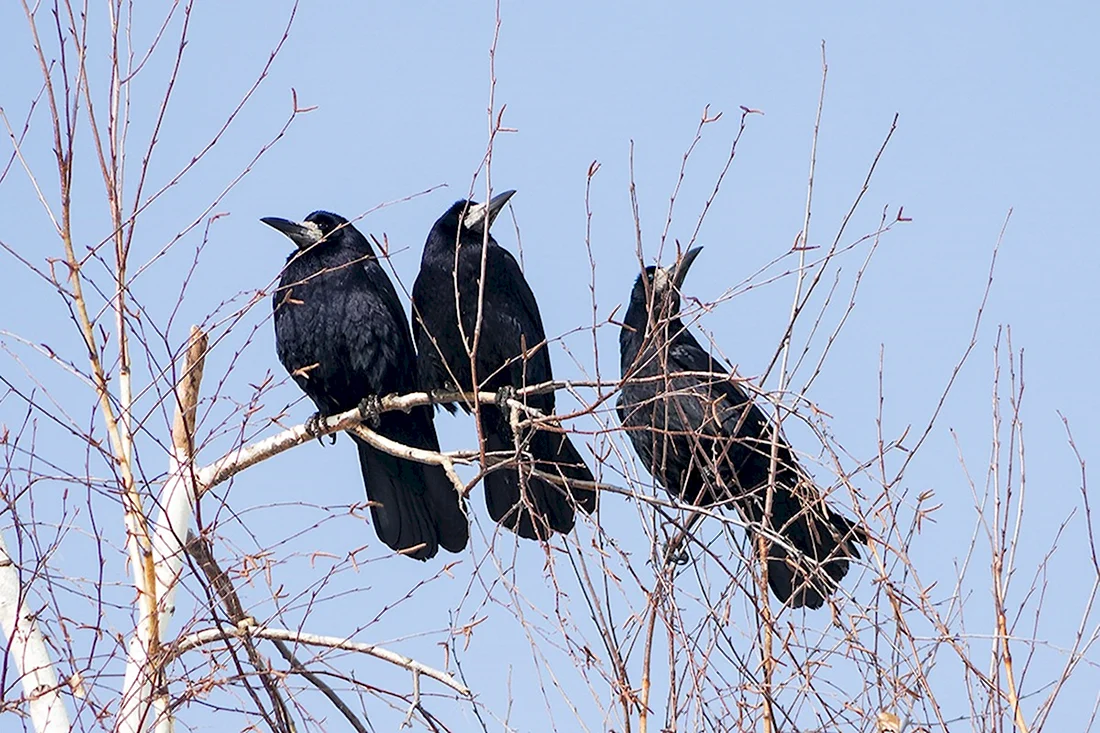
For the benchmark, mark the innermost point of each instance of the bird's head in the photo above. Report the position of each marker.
(467, 221)
(477, 218)
(657, 290)
(317, 227)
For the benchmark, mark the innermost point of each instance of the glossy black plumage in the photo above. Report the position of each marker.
(342, 335)
(703, 439)
(511, 324)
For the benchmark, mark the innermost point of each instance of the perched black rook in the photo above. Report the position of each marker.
(342, 335)
(511, 352)
(707, 442)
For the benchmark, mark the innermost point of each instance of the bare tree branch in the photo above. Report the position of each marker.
(192, 641)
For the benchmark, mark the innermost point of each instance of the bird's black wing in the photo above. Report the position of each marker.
(429, 362)
(433, 300)
(420, 504)
(502, 261)
(687, 355)
(742, 461)
(384, 350)
(739, 414)
(513, 326)
(739, 436)
(512, 305)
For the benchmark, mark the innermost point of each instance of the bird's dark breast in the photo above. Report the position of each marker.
(435, 302)
(328, 338)
(498, 339)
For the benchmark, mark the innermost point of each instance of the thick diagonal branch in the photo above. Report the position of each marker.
(219, 581)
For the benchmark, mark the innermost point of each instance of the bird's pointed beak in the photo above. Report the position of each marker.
(481, 216)
(684, 266)
(304, 234)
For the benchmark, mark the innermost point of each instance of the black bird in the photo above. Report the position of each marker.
(342, 335)
(703, 439)
(511, 353)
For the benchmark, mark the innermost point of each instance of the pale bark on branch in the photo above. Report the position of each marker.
(177, 504)
(26, 649)
(246, 456)
(245, 630)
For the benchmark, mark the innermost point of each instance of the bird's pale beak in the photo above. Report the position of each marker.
(684, 266)
(304, 234)
(481, 216)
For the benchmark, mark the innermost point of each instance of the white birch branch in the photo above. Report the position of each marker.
(431, 457)
(177, 504)
(207, 636)
(26, 648)
(244, 457)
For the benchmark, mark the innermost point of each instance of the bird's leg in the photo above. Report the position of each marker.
(313, 427)
(505, 395)
(675, 553)
(370, 410)
(443, 397)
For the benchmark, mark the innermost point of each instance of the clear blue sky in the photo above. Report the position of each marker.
(998, 110)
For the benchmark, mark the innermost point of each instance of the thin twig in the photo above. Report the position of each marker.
(200, 552)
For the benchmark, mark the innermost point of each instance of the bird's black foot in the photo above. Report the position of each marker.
(504, 395)
(370, 410)
(313, 427)
(442, 397)
(676, 554)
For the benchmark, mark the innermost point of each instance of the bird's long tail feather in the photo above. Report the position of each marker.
(414, 506)
(528, 504)
(825, 542)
